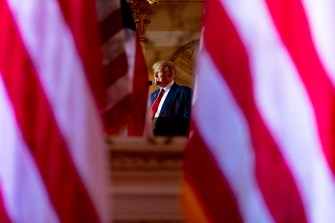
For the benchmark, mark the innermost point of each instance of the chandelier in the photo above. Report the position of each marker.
(152, 1)
(141, 9)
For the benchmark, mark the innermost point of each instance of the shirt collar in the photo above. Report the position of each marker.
(167, 87)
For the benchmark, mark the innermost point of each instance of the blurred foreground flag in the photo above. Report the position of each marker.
(125, 71)
(262, 149)
(52, 152)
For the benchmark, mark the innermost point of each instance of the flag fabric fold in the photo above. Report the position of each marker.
(262, 143)
(53, 159)
(125, 72)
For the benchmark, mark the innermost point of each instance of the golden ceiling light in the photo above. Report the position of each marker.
(141, 9)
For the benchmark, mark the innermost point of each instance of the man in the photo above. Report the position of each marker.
(171, 103)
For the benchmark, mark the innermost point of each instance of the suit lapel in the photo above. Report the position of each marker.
(154, 96)
(169, 98)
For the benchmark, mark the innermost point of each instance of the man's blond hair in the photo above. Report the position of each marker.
(165, 64)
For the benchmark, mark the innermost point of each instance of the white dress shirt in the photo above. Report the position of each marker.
(167, 89)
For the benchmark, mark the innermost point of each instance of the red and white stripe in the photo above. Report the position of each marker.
(125, 73)
(263, 112)
(53, 157)
(115, 73)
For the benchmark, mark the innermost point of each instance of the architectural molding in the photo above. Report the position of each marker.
(146, 176)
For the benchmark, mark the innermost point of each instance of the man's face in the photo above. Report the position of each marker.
(162, 77)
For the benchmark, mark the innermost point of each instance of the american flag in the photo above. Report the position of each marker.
(125, 71)
(52, 151)
(262, 148)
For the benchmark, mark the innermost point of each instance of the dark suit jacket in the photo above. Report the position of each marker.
(174, 117)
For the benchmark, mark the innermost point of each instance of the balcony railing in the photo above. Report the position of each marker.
(145, 176)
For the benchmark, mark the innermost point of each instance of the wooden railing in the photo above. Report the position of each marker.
(145, 176)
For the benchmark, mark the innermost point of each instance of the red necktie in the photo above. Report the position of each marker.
(154, 106)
